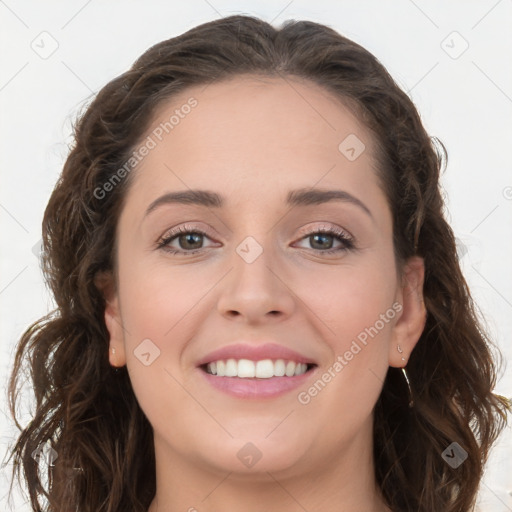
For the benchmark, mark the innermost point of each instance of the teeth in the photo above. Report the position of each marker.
(264, 369)
(245, 368)
(231, 368)
(290, 369)
(279, 368)
(221, 368)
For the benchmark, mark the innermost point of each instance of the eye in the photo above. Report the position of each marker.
(190, 240)
(187, 237)
(322, 238)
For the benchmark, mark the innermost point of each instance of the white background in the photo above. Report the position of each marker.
(465, 101)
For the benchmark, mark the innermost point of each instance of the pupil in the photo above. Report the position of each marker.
(190, 237)
(315, 237)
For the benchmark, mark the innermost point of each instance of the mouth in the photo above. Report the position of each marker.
(263, 370)
(262, 379)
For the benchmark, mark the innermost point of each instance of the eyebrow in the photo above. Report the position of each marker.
(298, 197)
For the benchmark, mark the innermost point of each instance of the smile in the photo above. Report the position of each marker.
(248, 379)
(263, 369)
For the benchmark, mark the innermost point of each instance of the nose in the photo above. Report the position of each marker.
(256, 291)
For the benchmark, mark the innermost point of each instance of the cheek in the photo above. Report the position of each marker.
(157, 313)
(160, 309)
(357, 310)
(349, 299)
(157, 300)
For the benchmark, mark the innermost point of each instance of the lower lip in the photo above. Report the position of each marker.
(257, 388)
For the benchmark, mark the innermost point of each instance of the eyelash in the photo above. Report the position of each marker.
(336, 232)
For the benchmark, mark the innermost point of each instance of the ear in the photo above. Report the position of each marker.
(409, 326)
(104, 281)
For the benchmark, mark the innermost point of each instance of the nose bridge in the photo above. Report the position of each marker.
(254, 287)
(253, 260)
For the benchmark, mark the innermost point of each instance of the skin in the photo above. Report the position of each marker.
(252, 139)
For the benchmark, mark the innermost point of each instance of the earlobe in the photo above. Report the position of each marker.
(409, 327)
(105, 283)
(115, 329)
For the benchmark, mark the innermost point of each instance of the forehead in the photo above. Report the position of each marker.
(253, 131)
(255, 108)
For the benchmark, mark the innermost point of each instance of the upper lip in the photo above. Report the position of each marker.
(254, 353)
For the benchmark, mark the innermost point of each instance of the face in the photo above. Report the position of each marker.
(255, 268)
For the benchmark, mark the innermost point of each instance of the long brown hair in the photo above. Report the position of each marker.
(88, 412)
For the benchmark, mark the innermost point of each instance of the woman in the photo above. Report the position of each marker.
(315, 346)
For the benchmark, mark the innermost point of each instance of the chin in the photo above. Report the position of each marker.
(256, 457)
